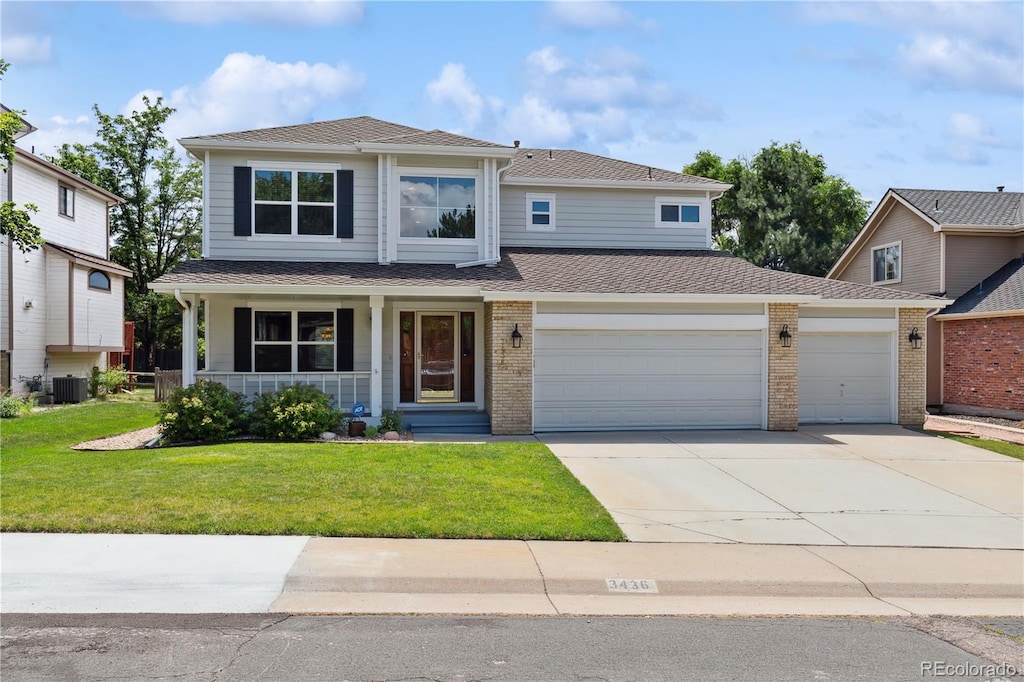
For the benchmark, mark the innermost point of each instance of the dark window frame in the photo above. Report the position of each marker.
(99, 288)
(66, 196)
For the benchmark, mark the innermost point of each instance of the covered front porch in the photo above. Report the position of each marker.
(415, 354)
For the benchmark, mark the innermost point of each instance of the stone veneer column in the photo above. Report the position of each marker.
(913, 367)
(508, 371)
(783, 368)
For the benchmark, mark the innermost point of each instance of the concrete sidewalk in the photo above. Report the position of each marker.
(51, 573)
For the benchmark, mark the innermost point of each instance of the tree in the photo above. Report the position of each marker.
(784, 211)
(456, 224)
(159, 223)
(15, 223)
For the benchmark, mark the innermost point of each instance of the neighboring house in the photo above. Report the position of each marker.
(543, 289)
(62, 305)
(962, 245)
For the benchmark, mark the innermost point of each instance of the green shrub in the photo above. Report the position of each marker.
(95, 381)
(372, 431)
(114, 379)
(390, 420)
(14, 406)
(296, 412)
(206, 411)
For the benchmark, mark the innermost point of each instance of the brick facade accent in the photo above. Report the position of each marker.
(913, 367)
(983, 363)
(783, 368)
(508, 371)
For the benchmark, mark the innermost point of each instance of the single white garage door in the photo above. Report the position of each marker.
(845, 378)
(594, 380)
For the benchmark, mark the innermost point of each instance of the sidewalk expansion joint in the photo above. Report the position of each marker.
(543, 580)
(857, 578)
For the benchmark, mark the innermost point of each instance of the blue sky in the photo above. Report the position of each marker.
(913, 94)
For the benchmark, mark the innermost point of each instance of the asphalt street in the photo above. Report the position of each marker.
(204, 647)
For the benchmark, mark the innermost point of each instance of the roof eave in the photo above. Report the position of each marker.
(190, 143)
(981, 230)
(311, 289)
(605, 184)
(1012, 312)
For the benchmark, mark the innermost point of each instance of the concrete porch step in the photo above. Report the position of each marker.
(448, 421)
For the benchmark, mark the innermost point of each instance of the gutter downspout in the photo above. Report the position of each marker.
(10, 271)
(497, 222)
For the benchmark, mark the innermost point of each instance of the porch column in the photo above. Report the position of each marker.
(189, 339)
(376, 355)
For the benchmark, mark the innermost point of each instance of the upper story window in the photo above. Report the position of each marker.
(885, 263)
(437, 206)
(294, 341)
(294, 202)
(99, 280)
(66, 201)
(673, 212)
(540, 212)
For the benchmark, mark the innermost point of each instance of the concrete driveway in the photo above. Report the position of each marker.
(824, 485)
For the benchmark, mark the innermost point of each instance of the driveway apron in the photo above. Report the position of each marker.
(876, 485)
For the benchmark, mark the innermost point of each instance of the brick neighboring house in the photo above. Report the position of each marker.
(963, 245)
(521, 289)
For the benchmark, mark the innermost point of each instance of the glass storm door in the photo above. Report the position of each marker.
(436, 370)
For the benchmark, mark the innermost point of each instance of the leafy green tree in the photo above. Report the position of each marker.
(160, 222)
(15, 223)
(456, 224)
(784, 212)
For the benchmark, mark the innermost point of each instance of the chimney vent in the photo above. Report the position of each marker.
(515, 143)
(936, 204)
(1000, 188)
(551, 154)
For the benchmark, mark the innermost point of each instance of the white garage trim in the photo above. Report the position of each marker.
(849, 325)
(649, 322)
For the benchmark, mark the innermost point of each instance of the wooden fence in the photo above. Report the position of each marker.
(164, 382)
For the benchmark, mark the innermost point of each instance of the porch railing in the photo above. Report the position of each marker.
(347, 388)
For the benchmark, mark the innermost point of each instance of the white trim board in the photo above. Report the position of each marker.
(848, 324)
(650, 322)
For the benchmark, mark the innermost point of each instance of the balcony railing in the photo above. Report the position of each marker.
(347, 388)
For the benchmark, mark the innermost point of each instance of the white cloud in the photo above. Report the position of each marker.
(968, 138)
(250, 91)
(24, 49)
(267, 12)
(936, 60)
(873, 118)
(970, 128)
(958, 45)
(58, 130)
(454, 86)
(546, 60)
(591, 16)
(544, 125)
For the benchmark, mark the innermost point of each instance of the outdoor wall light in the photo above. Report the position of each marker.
(517, 338)
(785, 338)
(914, 338)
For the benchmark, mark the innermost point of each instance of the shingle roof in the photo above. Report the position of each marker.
(602, 271)
(570, 164)
(341, 131)
(1002, 291)
(991, 209)
(89, 259)
(436, 137)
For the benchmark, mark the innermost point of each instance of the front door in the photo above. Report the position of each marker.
(436, 366)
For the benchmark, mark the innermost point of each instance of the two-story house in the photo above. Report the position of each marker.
(543, 289)
(963, 245)
(61, 306)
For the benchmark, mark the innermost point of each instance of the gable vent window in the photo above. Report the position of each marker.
(540, 212)
(66, 201)
(294, 202)
(675, 213)
(885, 263)
(99, 280)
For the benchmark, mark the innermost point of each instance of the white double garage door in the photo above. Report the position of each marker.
(611, 379)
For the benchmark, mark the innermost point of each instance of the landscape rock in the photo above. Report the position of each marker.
(392, 435)
(328, 435)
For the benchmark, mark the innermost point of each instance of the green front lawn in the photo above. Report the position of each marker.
(497, 490)
(1002, 447)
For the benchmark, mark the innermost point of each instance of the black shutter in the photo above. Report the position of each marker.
(346, 204)
(243, 339)
(243, 201)
(346, 340)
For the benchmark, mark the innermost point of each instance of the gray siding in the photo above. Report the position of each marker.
(224, 244)
(424, 251)
(971, 259)
(598, 218)
(920, 252)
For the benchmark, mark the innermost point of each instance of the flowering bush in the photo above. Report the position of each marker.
(297, 412)
(205, 411)
(15, 406)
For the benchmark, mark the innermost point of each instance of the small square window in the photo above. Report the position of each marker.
(66, 201)
(669, 214)
(689, 214)
(672, 212)
(540, 212)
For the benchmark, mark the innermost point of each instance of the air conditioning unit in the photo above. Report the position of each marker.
(70, 389)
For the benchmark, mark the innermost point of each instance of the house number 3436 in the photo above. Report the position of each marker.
(631, 585)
